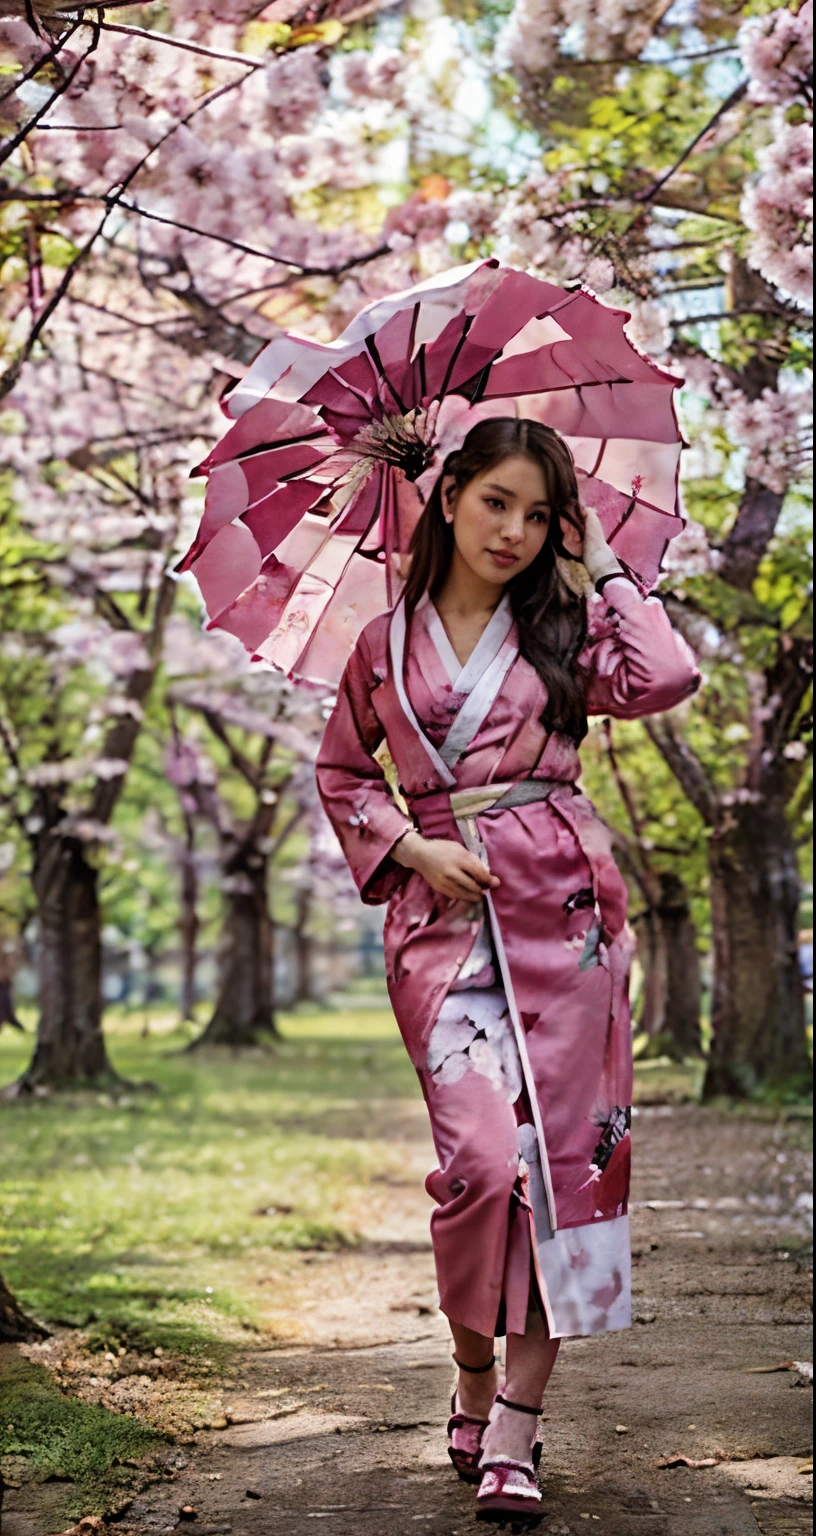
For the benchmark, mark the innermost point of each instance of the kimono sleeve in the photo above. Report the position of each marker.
(353, 787)
(634, 661)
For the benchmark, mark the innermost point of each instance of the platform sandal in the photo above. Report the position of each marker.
(465, 1433)
(508, 1489)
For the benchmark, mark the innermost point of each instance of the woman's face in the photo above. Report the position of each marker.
(500, 519)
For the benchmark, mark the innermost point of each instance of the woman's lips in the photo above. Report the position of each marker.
(502, 558)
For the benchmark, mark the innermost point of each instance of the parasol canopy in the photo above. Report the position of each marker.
(314, 491)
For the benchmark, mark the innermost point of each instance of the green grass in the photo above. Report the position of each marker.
(136, 1219)
(64, 1439)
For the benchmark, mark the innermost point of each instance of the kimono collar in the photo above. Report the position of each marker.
(482, 676)
(464, 678)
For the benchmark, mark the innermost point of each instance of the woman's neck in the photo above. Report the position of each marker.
(465, 595)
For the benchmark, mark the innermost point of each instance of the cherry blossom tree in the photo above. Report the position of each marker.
(323, 898)
(83, 639)
(159, 194)
(171, 198)
(683, 185)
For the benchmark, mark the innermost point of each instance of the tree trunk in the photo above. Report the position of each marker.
(15, 1327)
(683, 981)
(7, 1014)
(70, 1048)
(245, 1006)
(654, 964)
(303, 945)
(189, 925)
(672, 989)
(748, 540)
(758, 1014)
(152, 990)
(10, 954)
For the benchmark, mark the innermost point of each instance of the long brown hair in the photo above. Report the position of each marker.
(551, 619)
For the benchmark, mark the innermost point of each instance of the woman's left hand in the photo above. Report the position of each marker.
(592, 549)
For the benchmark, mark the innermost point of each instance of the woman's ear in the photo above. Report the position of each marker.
(448, 497)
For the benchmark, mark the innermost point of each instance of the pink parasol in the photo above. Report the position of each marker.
(313, 493)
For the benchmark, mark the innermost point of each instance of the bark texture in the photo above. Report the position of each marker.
(70, 1047)
(15, 1327)
(748, 540)
(758, 1013)
(684, 983)
(672, 987)
(245, 1006)
(305, 989)
(188, 922)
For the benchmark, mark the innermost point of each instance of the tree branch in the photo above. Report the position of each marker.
(247, 60)
(34, 69)
(627, 797)
(12, 373)
(286, 830)
(28, 127)
(779, 313)
(686, 767)
(736, 96)
(748, 540)
(115, 200)
(240, 762)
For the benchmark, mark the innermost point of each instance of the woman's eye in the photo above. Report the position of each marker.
(493, 501)
(540, 517)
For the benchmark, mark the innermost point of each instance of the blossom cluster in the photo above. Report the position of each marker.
(777, 52)
(533, 39)
(772, 430)
(778, 209)
(522, 225)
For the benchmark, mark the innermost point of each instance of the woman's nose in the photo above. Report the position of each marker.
(513, 528)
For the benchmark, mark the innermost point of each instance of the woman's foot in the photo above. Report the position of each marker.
(510, 1456)
(470, 1406)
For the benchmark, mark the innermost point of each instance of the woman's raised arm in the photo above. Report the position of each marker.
(636, 664)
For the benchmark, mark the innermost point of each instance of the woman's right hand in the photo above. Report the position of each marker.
(448, 866)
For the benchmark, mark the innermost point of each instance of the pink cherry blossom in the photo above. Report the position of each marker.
(777, 52)
(778, 209)
(648, 328)
(772, 429)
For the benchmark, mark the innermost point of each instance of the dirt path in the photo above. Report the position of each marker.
(345, 1425)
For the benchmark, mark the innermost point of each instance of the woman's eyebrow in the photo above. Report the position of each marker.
(543, 502)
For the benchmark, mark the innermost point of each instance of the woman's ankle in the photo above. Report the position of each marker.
(475, 1392)
(509, 1434)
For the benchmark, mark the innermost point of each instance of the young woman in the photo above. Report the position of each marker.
(506, 943)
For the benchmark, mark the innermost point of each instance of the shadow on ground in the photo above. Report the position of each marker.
(344, 1423)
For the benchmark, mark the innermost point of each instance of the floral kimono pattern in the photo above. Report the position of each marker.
(514, 1009)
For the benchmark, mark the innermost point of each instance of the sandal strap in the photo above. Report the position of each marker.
(518, 1407)
(458, 1421)
(509, 1466)
(475, 1370)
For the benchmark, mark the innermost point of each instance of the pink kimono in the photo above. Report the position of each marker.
(514, 1009)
